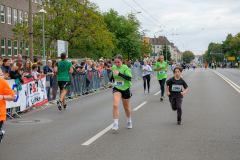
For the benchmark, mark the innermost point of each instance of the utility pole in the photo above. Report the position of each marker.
(154, 46)
(30, 31)
(166, 51)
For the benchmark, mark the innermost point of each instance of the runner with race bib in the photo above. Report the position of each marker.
(121, 77)
(161, 68)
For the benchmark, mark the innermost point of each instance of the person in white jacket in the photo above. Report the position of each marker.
(146, 69)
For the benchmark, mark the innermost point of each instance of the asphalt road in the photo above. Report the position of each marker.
(210, 129)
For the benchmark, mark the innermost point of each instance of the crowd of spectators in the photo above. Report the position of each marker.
(19, 68)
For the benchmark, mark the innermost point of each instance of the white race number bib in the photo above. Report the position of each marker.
(119, 82)
(161, 72)
(176, 88)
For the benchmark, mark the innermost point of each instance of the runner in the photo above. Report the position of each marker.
(173, 66)
(175, 92)
(205, 64)
(161, 68)
(122, 78)
(212, 64)
(63, 68)
(146, 76)
(6, 94)
(215, 65)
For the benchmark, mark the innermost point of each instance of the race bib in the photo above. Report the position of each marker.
(176, 88)
(161, 72)
(144, 71)
(119, 82)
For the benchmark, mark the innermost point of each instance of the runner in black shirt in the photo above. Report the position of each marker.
(174, 87)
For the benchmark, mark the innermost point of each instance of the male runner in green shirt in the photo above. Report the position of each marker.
(63, 68)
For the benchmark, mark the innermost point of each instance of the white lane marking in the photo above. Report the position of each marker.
(157, 93)
(235, 86)
(94, 138)
(140, 106)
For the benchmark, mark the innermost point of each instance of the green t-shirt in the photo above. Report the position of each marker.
(63, 70)
(161, 73)
(120, 83)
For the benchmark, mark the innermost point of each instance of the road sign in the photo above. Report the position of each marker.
(231, 58)
(62, 46)
(237, 57)
(153, 54)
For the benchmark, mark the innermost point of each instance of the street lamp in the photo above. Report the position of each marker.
(44, 60)
(154, 43)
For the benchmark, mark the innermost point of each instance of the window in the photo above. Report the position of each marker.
(26, 18)
(15, 16)
(2, 14)
(35, 1)
(15, 48)
(9, 15)
(21, 16)
(40, 1)
(21, 47)
(27, 49)
(157, 46)
(9, 47)
(3, 47)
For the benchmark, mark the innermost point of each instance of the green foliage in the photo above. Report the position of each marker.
(82, 25)
(168, 52)
(129, 39)
(188, 56)
(213, 48)
(146, 49)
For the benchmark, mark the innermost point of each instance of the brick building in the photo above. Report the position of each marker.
(12, 12)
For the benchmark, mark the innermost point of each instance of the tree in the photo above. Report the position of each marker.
(146, 49)
(168, 52)
(129, 39)
(82, 25)
(188, 56)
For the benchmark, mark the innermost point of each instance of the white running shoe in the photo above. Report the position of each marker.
(115, 127)
(129, 125)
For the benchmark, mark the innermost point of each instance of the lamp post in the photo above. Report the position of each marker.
(44, 60)
(154, 43)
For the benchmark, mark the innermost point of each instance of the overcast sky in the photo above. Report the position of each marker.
(189, 24)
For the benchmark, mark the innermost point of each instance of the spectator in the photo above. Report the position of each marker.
(142, 63)
(19, 59)
(35, 73)
(48, 70)
(16, 72)
(129, 64)
(39, 64)
(27, 69)
(35, 60)
(136, 63)
(6, 68)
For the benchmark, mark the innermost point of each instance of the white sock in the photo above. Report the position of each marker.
(129, 119)
(115, 121)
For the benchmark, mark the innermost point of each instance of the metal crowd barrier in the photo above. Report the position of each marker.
(82, 84)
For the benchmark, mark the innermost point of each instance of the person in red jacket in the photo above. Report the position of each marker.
(6, 94)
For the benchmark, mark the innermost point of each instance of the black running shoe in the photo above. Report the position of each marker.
(2, 133)
(65, 106)
(60, 104)
(179, 122)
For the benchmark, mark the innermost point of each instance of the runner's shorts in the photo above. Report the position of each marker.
(125, 94)
(63, 84)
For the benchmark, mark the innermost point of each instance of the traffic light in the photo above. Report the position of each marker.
(210, 53)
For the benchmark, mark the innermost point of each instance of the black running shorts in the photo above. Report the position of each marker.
(63, 84)
(125, 94)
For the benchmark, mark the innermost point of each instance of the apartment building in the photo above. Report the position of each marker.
(12, 12)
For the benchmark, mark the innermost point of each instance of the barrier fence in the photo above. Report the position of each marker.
(39, 93)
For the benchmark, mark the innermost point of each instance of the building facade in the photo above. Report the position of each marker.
(158, 44)
(13, 12)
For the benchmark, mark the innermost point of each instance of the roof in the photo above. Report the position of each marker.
(161, 40)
